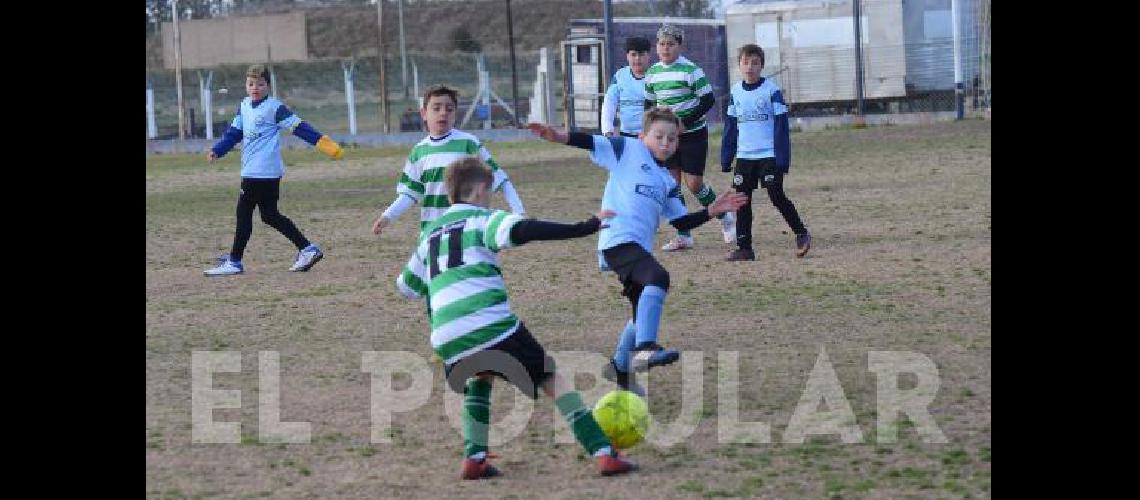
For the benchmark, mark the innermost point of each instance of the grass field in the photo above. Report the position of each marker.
(901, 262)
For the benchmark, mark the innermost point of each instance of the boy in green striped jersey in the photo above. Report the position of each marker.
(674, 82)
(456, 265)
(422, 179)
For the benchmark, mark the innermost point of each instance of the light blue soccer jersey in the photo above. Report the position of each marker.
(755, 111)
(638, 189)
(261, 143)
(629, 93)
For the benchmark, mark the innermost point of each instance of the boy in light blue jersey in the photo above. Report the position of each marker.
(641, 191)
(259, 120)
(625, 97)
(756, 133)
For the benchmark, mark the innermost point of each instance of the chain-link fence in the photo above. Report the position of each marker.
(316, 91)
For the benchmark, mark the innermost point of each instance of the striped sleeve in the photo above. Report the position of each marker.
(649, 81)
(412, 281)
(497, 236)
(499, 175)
(411, 181)
(699, 82)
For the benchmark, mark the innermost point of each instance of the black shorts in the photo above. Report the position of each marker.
(626, 134)
(692, 149)
(519, 359)
(636, 269)
(750, 174)
(256, 190)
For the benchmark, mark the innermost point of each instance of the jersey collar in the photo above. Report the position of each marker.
(749, 86)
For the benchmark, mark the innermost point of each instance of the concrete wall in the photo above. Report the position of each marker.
(237, 40)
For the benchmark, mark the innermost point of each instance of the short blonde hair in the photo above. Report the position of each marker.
(258, 71)
(659, 114)
(463, 176)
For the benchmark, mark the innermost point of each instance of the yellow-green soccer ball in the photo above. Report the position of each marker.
(623, 416)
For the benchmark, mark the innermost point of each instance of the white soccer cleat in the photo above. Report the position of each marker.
(225, 268)
(678, 243)
(307, 258)
(728, 227)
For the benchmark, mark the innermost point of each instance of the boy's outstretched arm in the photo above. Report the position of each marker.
(409, 191)
(321, 142)
(606, 152)
(728, 201)
(398, 206)
(512, 198)
(576, 139)
(232, 136)
(539, 230)
(501, 182)
(549, 133)
(286, 119)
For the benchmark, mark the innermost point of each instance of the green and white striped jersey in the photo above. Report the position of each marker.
(678, 86)
(456, 264)
(422, 178)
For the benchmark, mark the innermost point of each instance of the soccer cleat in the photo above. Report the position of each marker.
(678, 243)
(803, 244)
(625, 380)
(307, 258)
(649, 355)
(225, 267)
(728, 227)
(614, 464)
(479, 469)
(740, 254)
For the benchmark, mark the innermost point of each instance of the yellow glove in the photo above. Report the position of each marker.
(330, 147)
